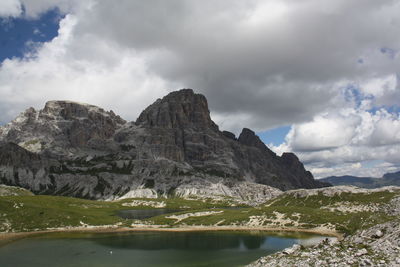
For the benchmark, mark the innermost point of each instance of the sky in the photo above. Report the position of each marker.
(319, 78)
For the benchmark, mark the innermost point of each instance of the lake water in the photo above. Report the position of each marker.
(145, 249)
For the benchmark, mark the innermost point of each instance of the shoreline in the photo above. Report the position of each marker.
(13, 236)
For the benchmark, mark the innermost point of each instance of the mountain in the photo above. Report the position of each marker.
(388, 179)
(173, 148)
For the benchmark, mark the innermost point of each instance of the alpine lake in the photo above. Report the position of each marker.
(148, 248)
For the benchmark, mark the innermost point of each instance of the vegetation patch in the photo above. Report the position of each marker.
(28, 213)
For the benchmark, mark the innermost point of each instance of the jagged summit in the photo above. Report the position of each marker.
(60, 127)
(178, 109)
(174, 147)
(65, 109)
(249, 138)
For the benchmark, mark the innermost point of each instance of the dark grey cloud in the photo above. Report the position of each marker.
(277, 60)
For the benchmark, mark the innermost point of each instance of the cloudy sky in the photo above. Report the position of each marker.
(316, 77)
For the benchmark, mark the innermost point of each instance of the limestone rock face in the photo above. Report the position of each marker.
(61, 127)
(81, 123)
(180, 109)
(14, 155)
(174, 147)
(249, 138)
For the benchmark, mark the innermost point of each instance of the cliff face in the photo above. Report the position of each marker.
(178, 110)
(61, 128)
(82, 150)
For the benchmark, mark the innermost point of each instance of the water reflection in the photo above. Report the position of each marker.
(192, 241)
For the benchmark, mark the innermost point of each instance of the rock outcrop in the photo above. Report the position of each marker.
(62, 128)
(174, 147)
(376, 246)
(375, 243)
(13, 191)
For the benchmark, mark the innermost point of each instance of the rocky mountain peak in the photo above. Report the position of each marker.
(229, 135)
(60, 125)
(179, 109)
(249, 138)
(69, 110)
(66, 109)
(289, 157)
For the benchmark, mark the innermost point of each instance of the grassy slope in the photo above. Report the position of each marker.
(27, 213)
(308, 212)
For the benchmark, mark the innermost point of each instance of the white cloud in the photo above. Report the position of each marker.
(324, 132)
(10, 8)
(379, 86)
(386, 130)
(267, 13)
(270, 50)
(248, 57)
(354, 169)
(338, 142)
(118, 81)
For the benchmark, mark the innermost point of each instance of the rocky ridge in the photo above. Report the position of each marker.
(62, 128)
(378, 245)
(173, 148)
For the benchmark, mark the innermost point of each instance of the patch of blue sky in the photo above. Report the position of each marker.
(17, 33)
(352, 93)
(393, 109)
(274, 136)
